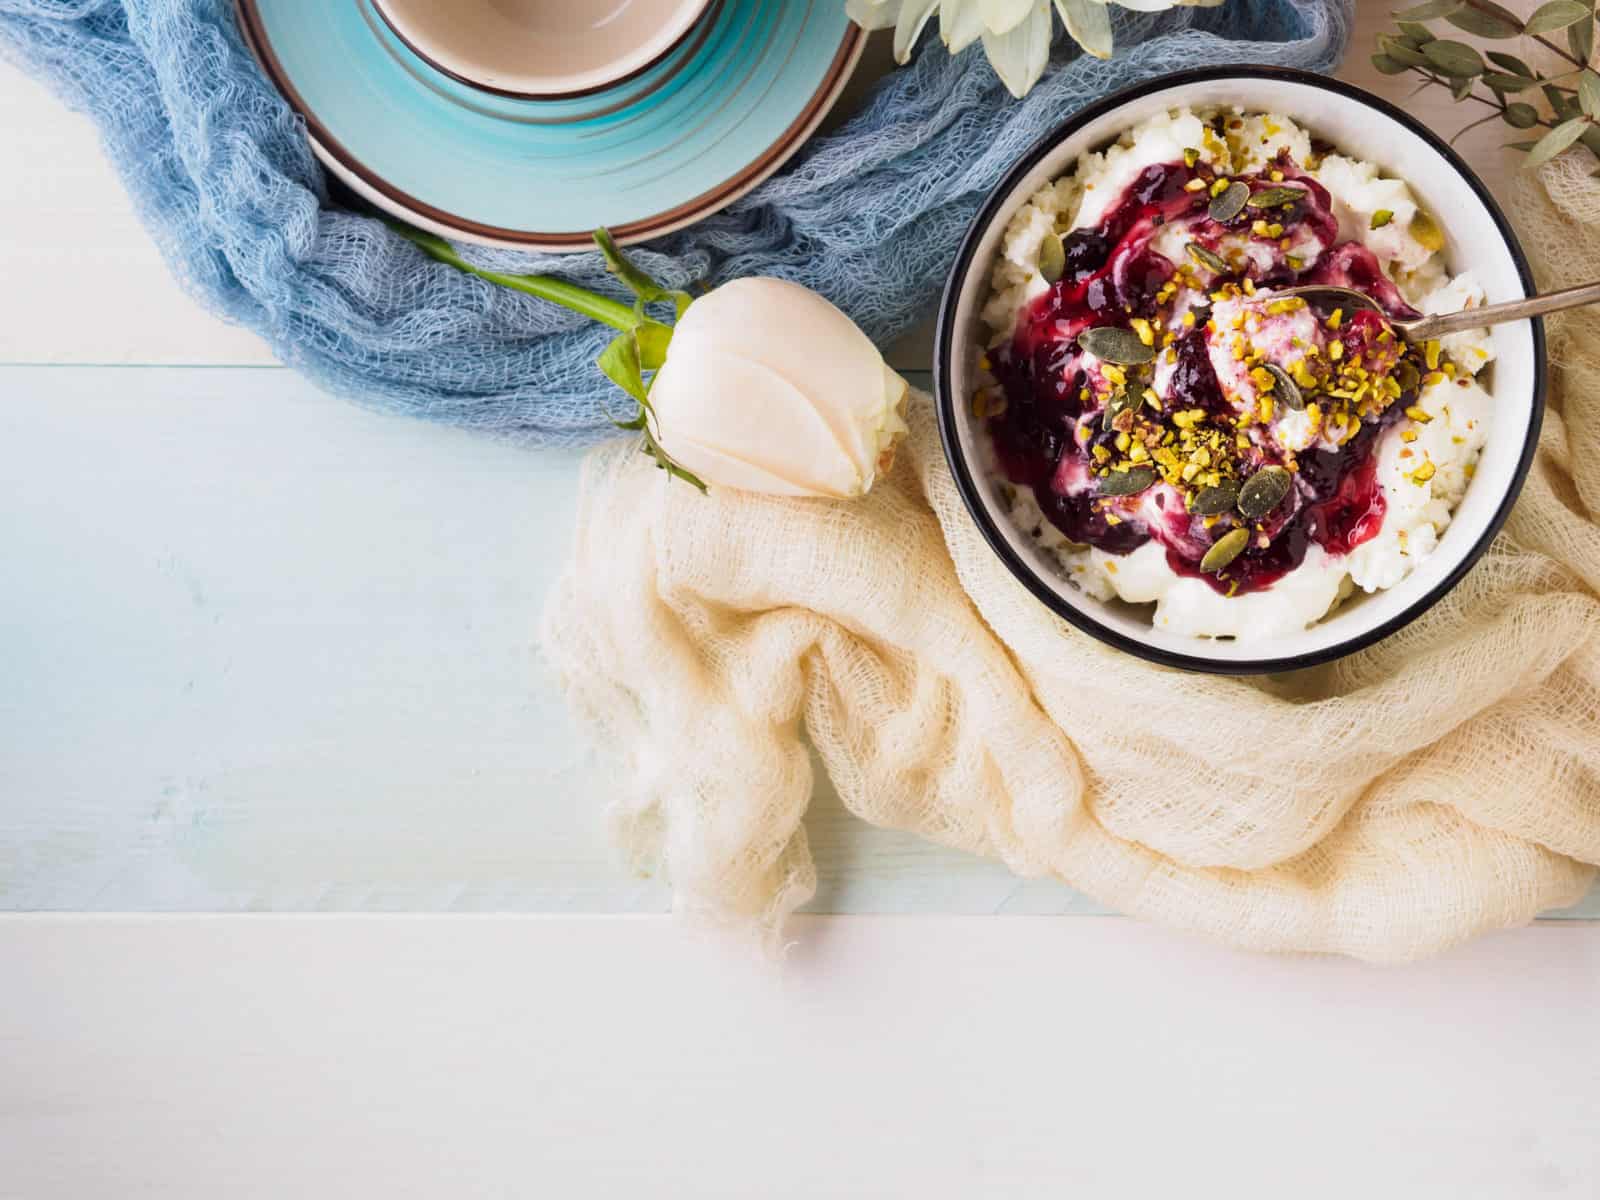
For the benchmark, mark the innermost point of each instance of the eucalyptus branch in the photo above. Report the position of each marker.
(1568, 115)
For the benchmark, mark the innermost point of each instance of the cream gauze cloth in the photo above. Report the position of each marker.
(1443, 782)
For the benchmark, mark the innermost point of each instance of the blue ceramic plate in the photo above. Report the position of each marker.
(701, 127)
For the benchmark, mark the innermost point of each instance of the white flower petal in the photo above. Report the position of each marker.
(914, 15)
(960, 24)
(1002, 16)
(1019, 57)
(873, 14)
(1089, 23)
(1152, 6)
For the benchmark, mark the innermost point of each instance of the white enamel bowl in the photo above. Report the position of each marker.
(1478, 238)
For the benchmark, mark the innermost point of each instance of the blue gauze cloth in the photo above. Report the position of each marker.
(869, 215)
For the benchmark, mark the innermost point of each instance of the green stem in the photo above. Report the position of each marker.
(546, 287)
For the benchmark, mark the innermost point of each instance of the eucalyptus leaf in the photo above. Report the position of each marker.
(1554, 142)
(1455, 59)
(1580, 37)
(1557, 14)
(1589, 92)
(1499, 81)
(1402, 53)
(1524, 147)
(1486, 19)
(1510, 62)
(1416, 34)
(1432, 10)
(1385, 65)
(1461, 88)
(1520, 116)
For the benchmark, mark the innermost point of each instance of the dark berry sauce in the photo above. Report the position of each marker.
(1047, 435)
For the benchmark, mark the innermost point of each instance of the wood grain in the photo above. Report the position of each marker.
(512, 1057)
(271, 651)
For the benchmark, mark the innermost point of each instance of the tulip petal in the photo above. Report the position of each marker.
(1019, 57)
(914, 15)
(960, 24)
(1002, 16)
(1089, 24)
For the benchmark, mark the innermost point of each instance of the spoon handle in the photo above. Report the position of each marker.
(1494, 314)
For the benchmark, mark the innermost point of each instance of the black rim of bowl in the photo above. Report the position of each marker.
(945, 401)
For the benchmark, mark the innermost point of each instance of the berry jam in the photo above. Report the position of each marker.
(1236, 395)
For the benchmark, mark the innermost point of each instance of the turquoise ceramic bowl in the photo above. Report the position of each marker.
(718, 114)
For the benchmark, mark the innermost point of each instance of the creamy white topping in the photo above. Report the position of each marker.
(1417, 510)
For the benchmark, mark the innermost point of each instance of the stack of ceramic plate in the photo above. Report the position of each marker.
(530, 122)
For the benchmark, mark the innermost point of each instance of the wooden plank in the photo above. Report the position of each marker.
(943, 1057)
(277, 653)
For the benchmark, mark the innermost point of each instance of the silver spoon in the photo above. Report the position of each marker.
(1422, 329)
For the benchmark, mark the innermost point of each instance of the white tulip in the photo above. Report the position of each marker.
(769, 388)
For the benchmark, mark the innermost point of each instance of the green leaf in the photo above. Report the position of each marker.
(1461, 88)
(1589, 93)
(1563, 105)
(1455, 59)
(1554, 142)
(1557, 14)
(1523, 146)
(1416, 34)
(1520, 116)
(1430, 11)
(652, 338)
(1511, 63)
(619, 362)
(1402, 53)
(1487, 19)
(1385, 65)
(1505, 84)
(1591, 140)
(1580, 37)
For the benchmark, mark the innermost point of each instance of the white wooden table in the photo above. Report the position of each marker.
(263, 650)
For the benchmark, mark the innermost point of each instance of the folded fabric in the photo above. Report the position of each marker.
(1439, 784)
(869, 215)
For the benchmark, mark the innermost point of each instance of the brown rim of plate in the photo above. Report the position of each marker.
(706, 9)
(633, 231)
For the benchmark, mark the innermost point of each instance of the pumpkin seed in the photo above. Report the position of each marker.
(1052, 258)
(1275, 197)
(1407, 375)
(1224, 550)
(1127, 483)
(1263, 492)
(1427, 232)
(1119, 403)
(1207, 258)
(1111, 344)
(1214, 501)
(1285, 388)
(1231, 203)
